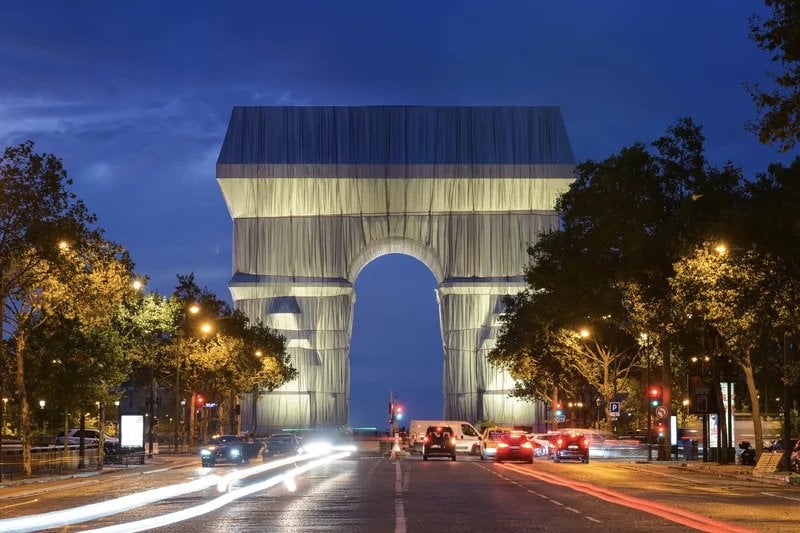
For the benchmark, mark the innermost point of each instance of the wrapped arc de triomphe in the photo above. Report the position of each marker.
(316, 193)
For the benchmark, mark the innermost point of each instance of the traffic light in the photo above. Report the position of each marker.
(661, 428)
(655, 395)
(559, 409)
(398, 412)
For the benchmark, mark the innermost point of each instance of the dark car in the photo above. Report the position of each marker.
(236, 449)
(281, 443)
(514, 447)
(439, 441)
(571, 446)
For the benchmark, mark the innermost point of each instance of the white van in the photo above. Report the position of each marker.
(468, 440)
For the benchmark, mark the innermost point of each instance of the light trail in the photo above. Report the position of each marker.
(674, 514)
(218, 502)
(125, 503)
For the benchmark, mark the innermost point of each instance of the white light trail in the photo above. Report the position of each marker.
(125, 503)
(218, 502)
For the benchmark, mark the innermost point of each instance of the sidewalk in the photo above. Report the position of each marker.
(21, 487)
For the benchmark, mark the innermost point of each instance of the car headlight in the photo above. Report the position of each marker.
(235, 453)
(205, 452)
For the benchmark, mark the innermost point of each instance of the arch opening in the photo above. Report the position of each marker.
(396, 309)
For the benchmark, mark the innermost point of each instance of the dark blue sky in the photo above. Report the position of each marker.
(136, 99)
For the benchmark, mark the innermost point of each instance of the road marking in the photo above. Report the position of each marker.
(780, 496)
(595, 520)
(557, 503)
(20, 503)
(399, 510)
(572, 509)
(542, 496)
(155, 471)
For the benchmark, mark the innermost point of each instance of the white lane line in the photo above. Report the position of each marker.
(399, 510)
(542, 496)
(20, 503)
(595, 520)
(155, 471)
(572, 509)
(557, 502)
(781, 496)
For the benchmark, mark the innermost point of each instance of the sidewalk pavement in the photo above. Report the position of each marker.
(21, 487)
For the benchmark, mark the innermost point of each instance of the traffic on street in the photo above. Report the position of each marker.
(343, 489)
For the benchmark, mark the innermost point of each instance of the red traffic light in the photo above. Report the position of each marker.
(200, 399)
(654, 392)
(399, 409)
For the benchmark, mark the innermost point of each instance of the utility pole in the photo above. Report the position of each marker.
(787, 404)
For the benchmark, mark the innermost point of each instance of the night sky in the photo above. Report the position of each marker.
(136, 99)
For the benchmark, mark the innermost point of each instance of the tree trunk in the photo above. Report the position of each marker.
(607, 394)
(101, 451)
(24, 408)
(82, 442)
(722, 419)
(554, 403)
(66, 427)
(192, 413)
(755, 409)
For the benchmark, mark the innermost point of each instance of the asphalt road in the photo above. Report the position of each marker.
(377, 494)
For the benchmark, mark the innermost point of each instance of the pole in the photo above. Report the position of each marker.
(649, 417)
(152, 411)
(177, 413)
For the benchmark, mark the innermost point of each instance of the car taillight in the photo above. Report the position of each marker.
(527, 445)
(585, 443)
(425, 439)
(502, 445)
(559, 443)
(453, 441)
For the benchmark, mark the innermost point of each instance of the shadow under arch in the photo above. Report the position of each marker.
(396, 245)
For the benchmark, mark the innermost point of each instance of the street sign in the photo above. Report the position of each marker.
(561, 419)
(662, 412)
(614, 409)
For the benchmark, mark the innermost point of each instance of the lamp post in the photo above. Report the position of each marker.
(41, 413)
(644, 341)
(194, 309)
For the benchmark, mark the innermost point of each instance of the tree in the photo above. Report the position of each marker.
(727, 289)
(51, 260)
(779, 108)
(624, 222)
(238, 356)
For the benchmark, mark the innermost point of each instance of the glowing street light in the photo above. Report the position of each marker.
(194, 309)
(63, 245)
(206, 328)
(137, 285)
(584, 333)
(259, 353)
(721, 248)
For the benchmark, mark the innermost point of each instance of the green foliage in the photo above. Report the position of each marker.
(779, 108)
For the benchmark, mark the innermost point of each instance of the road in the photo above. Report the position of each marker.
(378, 494)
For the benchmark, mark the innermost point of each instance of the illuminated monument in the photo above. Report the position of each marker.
(316, 193)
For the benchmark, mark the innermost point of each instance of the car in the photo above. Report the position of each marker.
(571, 446)
(468, 438)
(281, 443)
(514, 446)
(236, 449)
(439, 441)
(491, 436)
(91, 437)
(541, 443)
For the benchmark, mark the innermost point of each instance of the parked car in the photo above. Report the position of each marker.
(236, 449)
(439, 441)
(542, 444)
(571, 446)
(281, 443)
(514, 447)
(91, 437)
(491, 436)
